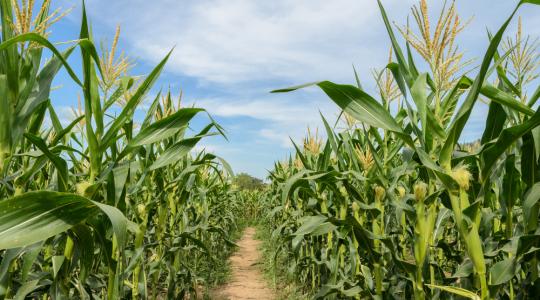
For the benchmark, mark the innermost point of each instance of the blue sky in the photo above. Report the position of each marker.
(230, 53)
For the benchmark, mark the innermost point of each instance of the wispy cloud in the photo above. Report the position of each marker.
(232, 41)
(277, 109)
(273, 135)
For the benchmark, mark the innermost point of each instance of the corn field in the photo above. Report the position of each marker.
(103, 208)
(389, 203)
(393, 206)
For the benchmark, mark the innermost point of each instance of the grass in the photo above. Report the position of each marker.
(275, 270)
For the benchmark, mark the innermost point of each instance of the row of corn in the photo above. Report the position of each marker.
(102, 207)
(391, 204)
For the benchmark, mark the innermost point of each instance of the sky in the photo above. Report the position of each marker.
(229, 54)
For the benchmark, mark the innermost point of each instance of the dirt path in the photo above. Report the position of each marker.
(247, 281)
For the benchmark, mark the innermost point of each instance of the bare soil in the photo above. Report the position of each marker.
(247, 281)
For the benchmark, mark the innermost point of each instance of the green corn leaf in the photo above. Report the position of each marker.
(402, 62)
(7, 259)
(56, 124)
(396, 72)
(27, 288)
(428, 163)
(412, 65)
(57, 262)
(120, 174)
(456, 291)
(65, 131)
(450, 101)
(526, 244)
(37, 216)
(434, 127)
(165, 127)
(59, 163)
(508, 136)
(6, 116)
(535, 96)
(11, 58)
(294, 88)
(36, 38)
(531, 207)
(359, 105)
(376, 157)
(530, 170)
(312, 224)
(301, 156)
(38, 95)
(291, 183)
(505, 99)
(494, 122)
(127, 113)
(358, 84)
(29, 258)
(84, 242)
(36, 120)
(226, 166)
(329, 289)
(179, 150)
(464, 270)
(419, 95)
(502, 271)
(331, 136)
(91, 101)
(537, 2)
(151, 111)
(118, 221)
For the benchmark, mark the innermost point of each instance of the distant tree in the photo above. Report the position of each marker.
(245, 181)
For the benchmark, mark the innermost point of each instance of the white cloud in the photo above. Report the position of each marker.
(228, 41)
(273, 135)
(278, 118)
(279, 109)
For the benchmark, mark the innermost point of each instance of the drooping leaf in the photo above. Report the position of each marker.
(360, 106)
(165, 127)
(36, 216)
